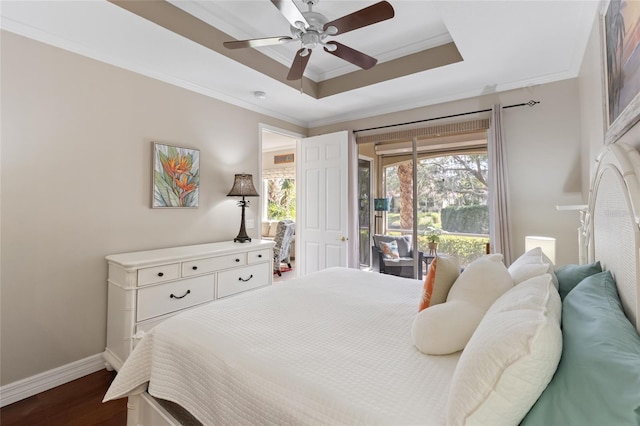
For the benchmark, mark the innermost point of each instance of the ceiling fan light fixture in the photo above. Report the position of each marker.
(331, 30)
(330, 47)
(310, 39)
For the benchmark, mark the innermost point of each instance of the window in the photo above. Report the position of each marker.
(281, 198)
(452, 202)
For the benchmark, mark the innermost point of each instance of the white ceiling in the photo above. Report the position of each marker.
(505, 45)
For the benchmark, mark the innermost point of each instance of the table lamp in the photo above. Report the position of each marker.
(547, 244)
(243, 187)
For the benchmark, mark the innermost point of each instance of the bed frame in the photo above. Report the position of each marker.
(611, 228)
(610, 233)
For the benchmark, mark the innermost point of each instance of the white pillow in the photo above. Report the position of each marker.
(523, 272)
(444, 328)
(482, 282)
(510, 358)
(442, 273)
(532, 264)
(447, 327)
(494, 256)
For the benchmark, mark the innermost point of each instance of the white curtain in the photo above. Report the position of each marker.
(499, 220)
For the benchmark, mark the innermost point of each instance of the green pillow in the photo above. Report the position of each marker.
(570, 276)
(598, 378)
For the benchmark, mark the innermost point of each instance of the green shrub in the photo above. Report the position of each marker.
(466, 219)
(466, 249)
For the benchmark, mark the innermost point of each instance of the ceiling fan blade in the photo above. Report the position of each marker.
(299, 64)
(369, 15)
(256, 42)
(360, 59)
(291, 12)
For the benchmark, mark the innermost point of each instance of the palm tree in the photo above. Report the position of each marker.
(405, 176)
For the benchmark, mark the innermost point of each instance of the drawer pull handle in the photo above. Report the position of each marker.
(237, 260)
(160, 274)
(173, 296)
(195, 268)
(259, 256)
(243, 280)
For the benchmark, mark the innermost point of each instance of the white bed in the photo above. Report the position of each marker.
(348, 359)
(335, 347)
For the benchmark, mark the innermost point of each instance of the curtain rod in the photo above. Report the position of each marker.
(530, 103)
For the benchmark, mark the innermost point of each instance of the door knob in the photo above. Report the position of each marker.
(343, 239)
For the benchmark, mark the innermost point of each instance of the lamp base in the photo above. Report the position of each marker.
(242, 235)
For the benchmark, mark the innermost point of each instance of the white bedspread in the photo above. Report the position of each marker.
(332, 348)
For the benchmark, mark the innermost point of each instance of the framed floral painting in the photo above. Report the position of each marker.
(621, 31)
(176, 177)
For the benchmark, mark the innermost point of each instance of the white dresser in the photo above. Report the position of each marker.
(147, 287)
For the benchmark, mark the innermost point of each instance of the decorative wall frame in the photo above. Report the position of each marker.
(621, 49)
(284, 158)
(176, 177)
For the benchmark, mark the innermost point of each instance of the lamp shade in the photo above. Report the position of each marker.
(243, 187)
(381, 204)
(547, 244)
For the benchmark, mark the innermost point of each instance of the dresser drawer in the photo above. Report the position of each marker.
(210, 264)
(257, 256)
(165, 298)
(158, 274)
(235, 281)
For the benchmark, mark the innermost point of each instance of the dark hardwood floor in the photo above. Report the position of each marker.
(77, 403)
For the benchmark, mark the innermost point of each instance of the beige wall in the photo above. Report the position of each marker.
(543, 154)
(268, 159)
(76, 180)
(591, 106)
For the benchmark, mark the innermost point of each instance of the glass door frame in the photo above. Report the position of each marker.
(368, 244)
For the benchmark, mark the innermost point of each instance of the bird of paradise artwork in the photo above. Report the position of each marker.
(176, 176)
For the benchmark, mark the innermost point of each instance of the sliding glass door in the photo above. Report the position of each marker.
(436, 190)
(451, 203)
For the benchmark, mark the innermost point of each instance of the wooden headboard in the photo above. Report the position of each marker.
(612, 223)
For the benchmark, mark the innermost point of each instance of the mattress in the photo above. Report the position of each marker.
(333, 347)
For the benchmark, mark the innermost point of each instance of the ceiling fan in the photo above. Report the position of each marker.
(312, 29)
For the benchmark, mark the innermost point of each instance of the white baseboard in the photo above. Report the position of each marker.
(16, 391)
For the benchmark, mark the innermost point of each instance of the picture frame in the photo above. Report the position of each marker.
(620, 25)
(284, 158)
(176, 177)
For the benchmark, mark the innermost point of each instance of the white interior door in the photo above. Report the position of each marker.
(322, 233)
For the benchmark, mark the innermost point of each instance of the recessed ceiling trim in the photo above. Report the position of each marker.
(410, 64)
(390, 55)
(181, 22)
